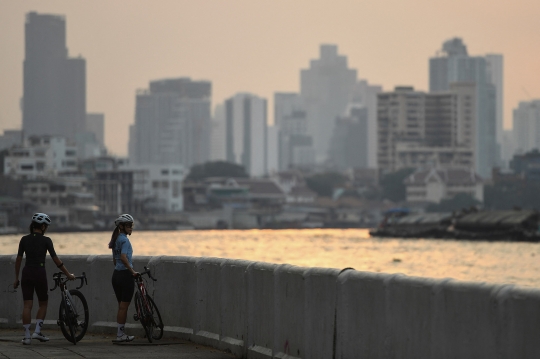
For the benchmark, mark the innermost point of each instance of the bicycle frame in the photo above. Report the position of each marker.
(146, 310)
(71, 315)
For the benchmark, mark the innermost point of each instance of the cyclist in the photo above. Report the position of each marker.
(34, 277)
(122, 278)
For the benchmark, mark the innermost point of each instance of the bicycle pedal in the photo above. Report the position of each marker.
(58, 322)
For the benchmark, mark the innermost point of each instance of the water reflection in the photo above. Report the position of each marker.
(501, 262)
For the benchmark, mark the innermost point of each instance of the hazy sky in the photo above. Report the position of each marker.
(260, 45)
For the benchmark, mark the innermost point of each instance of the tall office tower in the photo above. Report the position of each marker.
(295, 145)
(246, 132)
(435, 129)
(365, 95)
(453, 64)
(54, 89)
(527, 126)
(172, 123)
(495, 67)
(325, 89)
(349, 143)
(217, 146)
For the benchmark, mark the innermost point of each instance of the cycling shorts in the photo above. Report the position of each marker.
(34, 279)
(123, 285)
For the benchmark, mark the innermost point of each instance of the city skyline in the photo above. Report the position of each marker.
(261, 48)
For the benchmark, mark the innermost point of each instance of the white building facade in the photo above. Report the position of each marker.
(41, 156)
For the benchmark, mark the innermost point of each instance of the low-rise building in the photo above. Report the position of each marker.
(40, 157)
(432, 185)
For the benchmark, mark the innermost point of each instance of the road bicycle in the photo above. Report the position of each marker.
(73, 313)
(146, 310)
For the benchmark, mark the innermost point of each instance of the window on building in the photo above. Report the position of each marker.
(27, 167)
(164, 172)
(40, 166)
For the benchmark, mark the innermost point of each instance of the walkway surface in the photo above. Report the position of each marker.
(100, 346)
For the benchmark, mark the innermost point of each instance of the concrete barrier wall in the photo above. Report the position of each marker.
(263, 310)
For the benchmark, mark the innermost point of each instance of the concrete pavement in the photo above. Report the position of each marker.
(101, 346)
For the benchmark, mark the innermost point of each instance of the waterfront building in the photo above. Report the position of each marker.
(66, 199)
(526, 126)
(431, 185)
(325, 89)
(172, 123)
(41, 156)
(453, 64)
(54, 86)
(10, 138)
(295, 145)
(246, 133)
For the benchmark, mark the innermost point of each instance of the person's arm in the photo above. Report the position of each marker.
(62, 267)
(18, 262)
(124, 260)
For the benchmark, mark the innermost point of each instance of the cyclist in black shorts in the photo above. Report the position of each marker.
(34, 277)
(122, 279)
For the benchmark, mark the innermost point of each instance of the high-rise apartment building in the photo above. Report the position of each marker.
(434, 129)
(453, 64)
(325, 89)
(295, 144)
(349, 143)
(172, 123)
(54, 89)
(246, 132)
(365, 95)
(527, 126)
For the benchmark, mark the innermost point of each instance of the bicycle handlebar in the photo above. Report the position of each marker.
(147, 271)
(58, 280)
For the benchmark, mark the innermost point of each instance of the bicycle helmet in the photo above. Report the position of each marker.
(41, 218)
(124, 218)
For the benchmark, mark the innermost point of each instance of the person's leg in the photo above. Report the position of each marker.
(42, 311)
(42, 292)
(121, 317)
(27, 312)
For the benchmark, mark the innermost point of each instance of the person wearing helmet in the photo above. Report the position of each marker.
(34, 278)
(123, 274)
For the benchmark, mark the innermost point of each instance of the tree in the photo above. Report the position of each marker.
(324, 183)
(392, 184)
(456, 203)
(216, 169)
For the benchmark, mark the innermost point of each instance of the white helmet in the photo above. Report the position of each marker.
(41, 218)
(123, 218)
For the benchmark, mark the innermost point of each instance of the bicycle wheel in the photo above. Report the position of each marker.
(74, 319)
(142, 313)
(156, 323)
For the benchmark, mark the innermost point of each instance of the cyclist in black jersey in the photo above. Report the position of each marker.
(34, 278)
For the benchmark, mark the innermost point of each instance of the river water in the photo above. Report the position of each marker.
(497, 262)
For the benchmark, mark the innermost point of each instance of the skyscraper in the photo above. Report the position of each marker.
(246, 132)
(172, 123)
(295, 145)
(527, 126)
(453, 64)
(325, 89)
(54, 89)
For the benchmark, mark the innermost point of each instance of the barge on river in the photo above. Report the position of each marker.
(514, 225)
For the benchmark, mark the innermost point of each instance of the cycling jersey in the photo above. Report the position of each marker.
(35, 245)
(122, 246)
